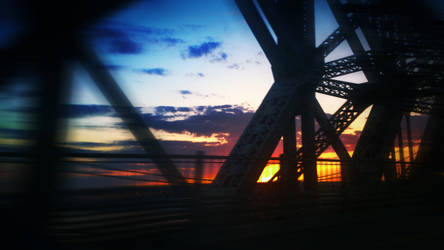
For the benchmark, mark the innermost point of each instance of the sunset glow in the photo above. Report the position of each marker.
(195, 76)
(327, 172)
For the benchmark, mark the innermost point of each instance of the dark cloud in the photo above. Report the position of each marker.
(103, 32)
(116, 40)
(124, 46)
(154, 71)
(122, 38)
(132, 29)
(184, 109)
(203, 49)
(115, 67)
(81, 111)
(137, 29)
(171, 41)
(160, 110)
(229, 120)
(210, 119)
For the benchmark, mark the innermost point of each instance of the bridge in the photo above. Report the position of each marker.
(397, 45)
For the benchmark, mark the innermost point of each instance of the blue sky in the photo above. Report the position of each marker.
(192, 68)
(153, 58)
(185, 53)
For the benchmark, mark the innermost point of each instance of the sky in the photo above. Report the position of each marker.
(193, 69)
(186, 64)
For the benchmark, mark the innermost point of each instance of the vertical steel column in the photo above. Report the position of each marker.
(42, 190)
(376, 142)
(288, 174)
(308, 147)
(409, 137)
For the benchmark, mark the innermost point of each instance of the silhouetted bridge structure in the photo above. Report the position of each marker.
(397, 45)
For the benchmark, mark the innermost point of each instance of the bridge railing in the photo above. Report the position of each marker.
(106, 170)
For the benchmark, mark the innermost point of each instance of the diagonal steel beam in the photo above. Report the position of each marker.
(332, 42)
(260, 137)
(129, 114)
(347, 27)
(330, 132)
(270, 9)
(259, 29)
(335, 141)
(292, 75)
(376, 142)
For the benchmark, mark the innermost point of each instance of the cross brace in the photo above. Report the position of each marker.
(129, 114)
(339, 121)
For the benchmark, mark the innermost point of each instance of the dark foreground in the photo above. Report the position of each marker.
(405, 215)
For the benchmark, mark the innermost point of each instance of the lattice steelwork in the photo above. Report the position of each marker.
(400, 57)
(336, 88)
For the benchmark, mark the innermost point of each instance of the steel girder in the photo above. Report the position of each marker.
(341, 67)
(374, 143)
(337, 123)
(332, 41)
(260, 137)
(262, 133)
(336, 88)
(396, 48)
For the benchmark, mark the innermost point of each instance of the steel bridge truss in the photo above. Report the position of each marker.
(402, 61)
(400, 54)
